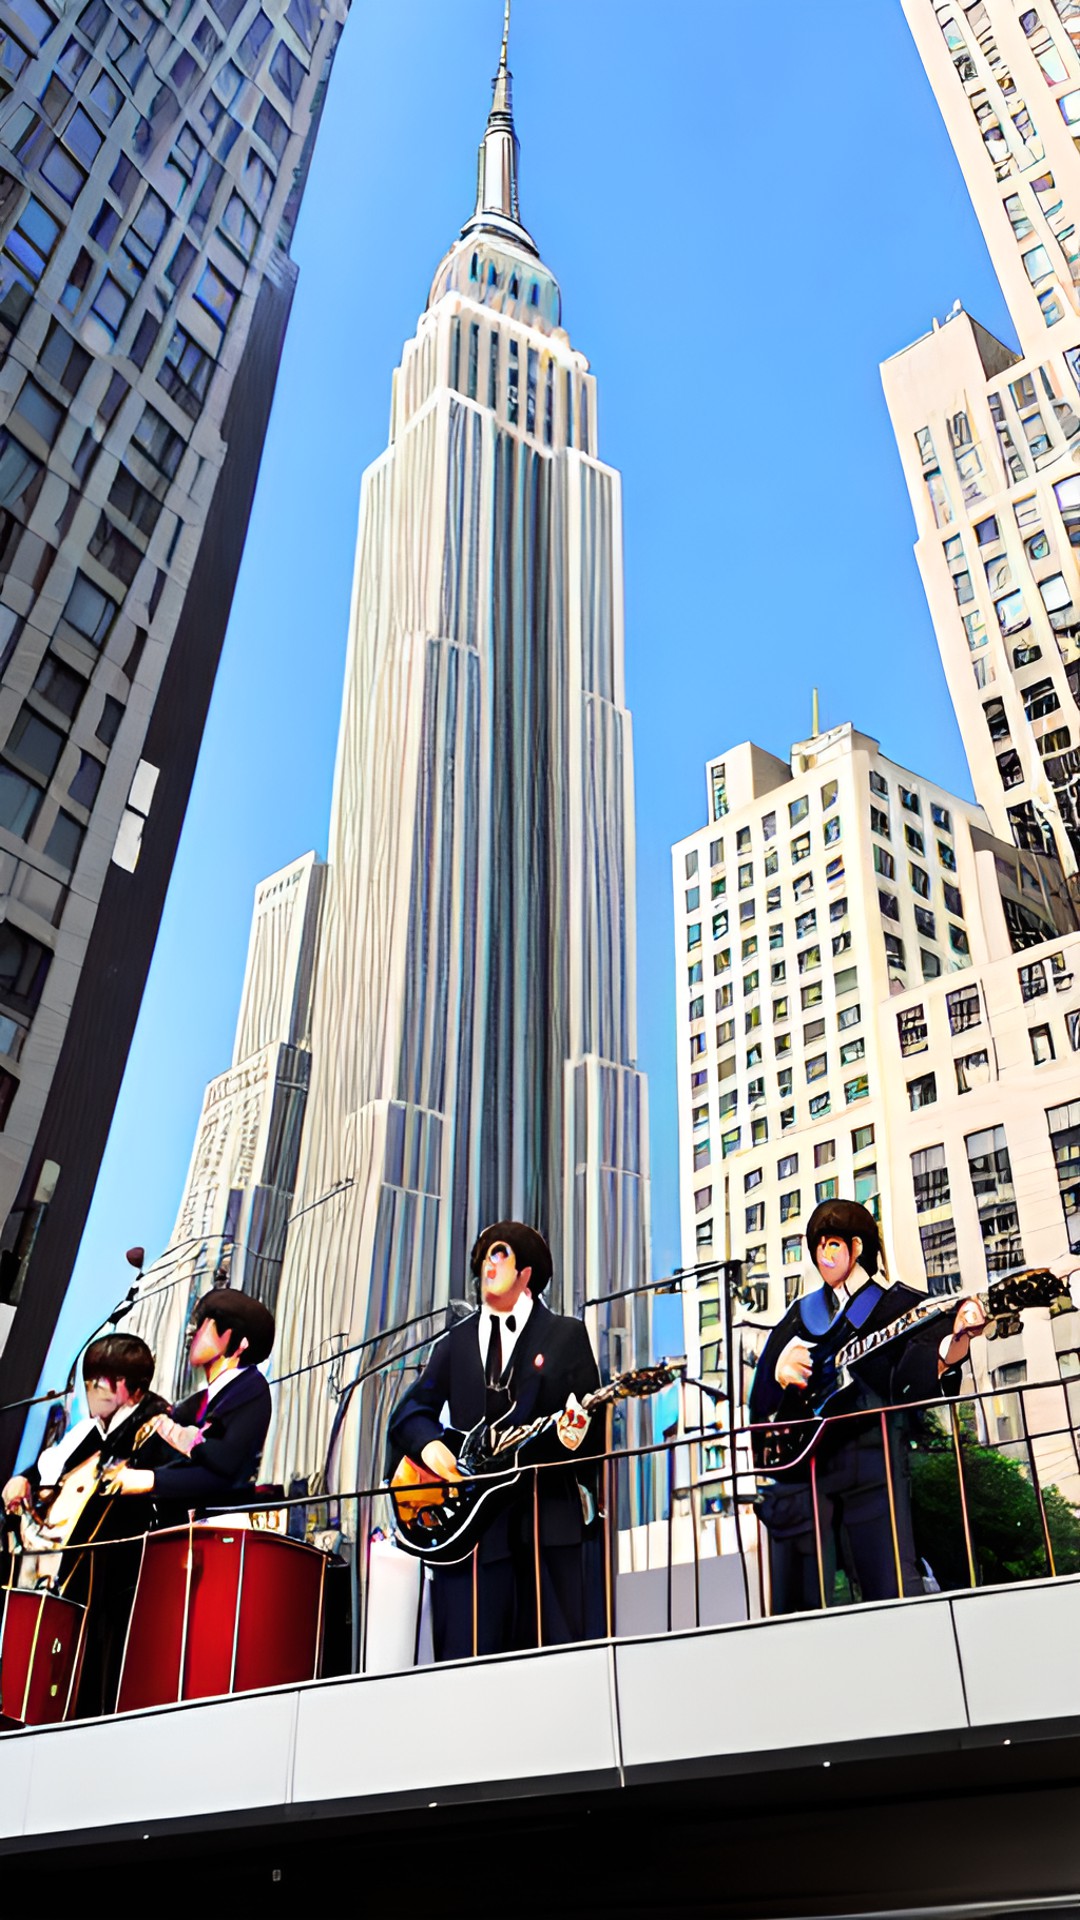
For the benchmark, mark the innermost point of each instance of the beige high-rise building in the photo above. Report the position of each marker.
(879, 1000)
(989, 434)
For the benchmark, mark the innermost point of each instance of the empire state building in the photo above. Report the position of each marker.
(473, 1027)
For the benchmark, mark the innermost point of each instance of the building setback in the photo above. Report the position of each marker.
(152, 162)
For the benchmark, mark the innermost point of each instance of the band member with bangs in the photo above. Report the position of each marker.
(117, 1371)
(512, 1353)
(854, 1527)
(213, 1440)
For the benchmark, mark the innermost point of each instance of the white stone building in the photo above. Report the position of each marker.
(856, 1022)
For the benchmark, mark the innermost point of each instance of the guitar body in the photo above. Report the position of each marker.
(51, 1524)
(441, 1521)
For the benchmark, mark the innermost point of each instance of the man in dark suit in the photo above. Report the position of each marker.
(117, 1370)
(851, 1474)
(214, 1438)
(512, 1353)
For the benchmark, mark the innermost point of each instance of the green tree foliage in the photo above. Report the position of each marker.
(1007, 1536)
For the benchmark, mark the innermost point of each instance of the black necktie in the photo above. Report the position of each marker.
(832, 1302)
(493, 1366)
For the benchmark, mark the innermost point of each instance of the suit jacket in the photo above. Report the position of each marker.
(552, 1358)
(905, 1371)
(222, 1468)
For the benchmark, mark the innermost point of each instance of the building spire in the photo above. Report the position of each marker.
(497, 206)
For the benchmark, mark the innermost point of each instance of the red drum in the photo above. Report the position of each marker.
(40, 1649)
(221, 1610)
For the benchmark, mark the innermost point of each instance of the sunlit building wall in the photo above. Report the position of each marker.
(989, 434)
(878, 1000)
(152, 160)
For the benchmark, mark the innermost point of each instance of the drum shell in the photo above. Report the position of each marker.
(221, 1610)
(41, 1640)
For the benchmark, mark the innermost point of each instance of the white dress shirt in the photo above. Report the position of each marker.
(52, 1460)
(509, 1336)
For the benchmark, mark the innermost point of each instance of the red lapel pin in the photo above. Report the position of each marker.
(539, 1360)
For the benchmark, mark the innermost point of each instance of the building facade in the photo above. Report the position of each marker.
(879, 1000)
(152, 160)
(474, 1024)
(989, 434)
(233, 1216)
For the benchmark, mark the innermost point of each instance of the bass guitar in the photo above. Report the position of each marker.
(795, 1429)
(440, 1521)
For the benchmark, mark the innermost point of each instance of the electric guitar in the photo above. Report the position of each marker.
(440, 1521)
(798, 1423)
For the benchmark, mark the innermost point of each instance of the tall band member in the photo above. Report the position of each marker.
(214, 1438)
(117, 1371)
(854, 1526)
(511, 1353)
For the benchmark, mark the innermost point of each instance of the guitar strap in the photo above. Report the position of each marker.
(814, 1310)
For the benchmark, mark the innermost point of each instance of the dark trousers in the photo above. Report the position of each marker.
(503, 1593)
(853, 1525)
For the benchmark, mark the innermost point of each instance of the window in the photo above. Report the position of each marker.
(746, 912)
(958, 940)
(798, 810)
(805, 923)
(185, 373)
(755, 1218)
(894, 953)
(991, 1179)
(964, 1009)
(716, 854)
(37, 745)
(1042, 1045)
(778, 972)
(826, 1190)
(729, 1142)
(1064, 1127)
(25, 255)
(697, 1009)
(690, 864)
(717, 888)
(722, 960)
(851, 1051)
(972, 1070)
(693, 899)
(752, 1179)
(724, 996)
(802, 887)
(846, 980)
(88, 614)
(792, 1250)
(911, 1025)
(915, 840)
(719, 924)
(759, 1132)
(776, 936)
(1032, 980)
(879, 822)
(930, 1178)
(811, 996)
(746, 876)
(829, 794)
(809, 959)
(889, 904)
(788, 1167)
(800, 848)
(838, 910)
(884, 863)
(857, 1089)
(953, 898)
(862, 1138)
(831, 831)
(693, 934)
(816, 1068)
(725, 1033)
(693, 974)
(922, 1092)
(849, 1017)
(925, 923)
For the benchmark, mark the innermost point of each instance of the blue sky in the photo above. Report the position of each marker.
(743, 226)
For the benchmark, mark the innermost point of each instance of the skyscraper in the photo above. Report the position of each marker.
(473, 1032)
(152, 161)
(989, 435)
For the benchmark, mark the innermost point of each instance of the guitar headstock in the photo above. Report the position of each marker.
(1036, 1287)
(640, 1382)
